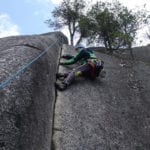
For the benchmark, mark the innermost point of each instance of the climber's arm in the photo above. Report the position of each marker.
(74, 59)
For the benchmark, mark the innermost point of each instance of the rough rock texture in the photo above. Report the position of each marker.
(139, 53)
(109, 114)
(142, 53)
(26, 103)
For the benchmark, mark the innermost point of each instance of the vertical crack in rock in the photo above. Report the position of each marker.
(26, 103)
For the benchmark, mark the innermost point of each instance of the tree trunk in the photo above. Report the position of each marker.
(105, 43)
(71, 35)
(131, 52)
(71, 40)
(109, 45)
(79, 40)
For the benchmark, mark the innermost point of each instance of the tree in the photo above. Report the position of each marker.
(114, 25)
(105, 26)
(84, 27)
(67, 14)
(148, 33)
(148, 30)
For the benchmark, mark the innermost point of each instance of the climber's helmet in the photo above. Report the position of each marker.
(79, 46)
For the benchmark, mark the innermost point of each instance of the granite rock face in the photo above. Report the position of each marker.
(26, 102)
(106, 114)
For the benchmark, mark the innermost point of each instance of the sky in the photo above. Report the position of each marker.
(27, 17)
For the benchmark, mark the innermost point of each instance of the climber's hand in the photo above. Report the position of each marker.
(63, 56)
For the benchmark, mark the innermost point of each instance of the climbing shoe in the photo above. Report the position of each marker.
(102, 74)
(60, 86)
(61, 75)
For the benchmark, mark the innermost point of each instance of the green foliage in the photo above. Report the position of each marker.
(84, 26)
(115, 26)
(67, 14)
(110, 24)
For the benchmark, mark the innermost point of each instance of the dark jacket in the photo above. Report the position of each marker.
(83, 55)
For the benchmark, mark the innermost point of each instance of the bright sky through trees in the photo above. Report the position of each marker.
(22, 17)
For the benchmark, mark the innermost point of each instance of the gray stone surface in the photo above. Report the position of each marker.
(26, 103)
(140, 53)
(107, 114)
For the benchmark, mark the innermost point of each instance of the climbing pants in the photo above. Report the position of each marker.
(90, 70)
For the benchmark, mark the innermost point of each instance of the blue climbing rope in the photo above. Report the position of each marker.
(19, 72)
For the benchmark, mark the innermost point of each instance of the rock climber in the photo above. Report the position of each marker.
(90, 67)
